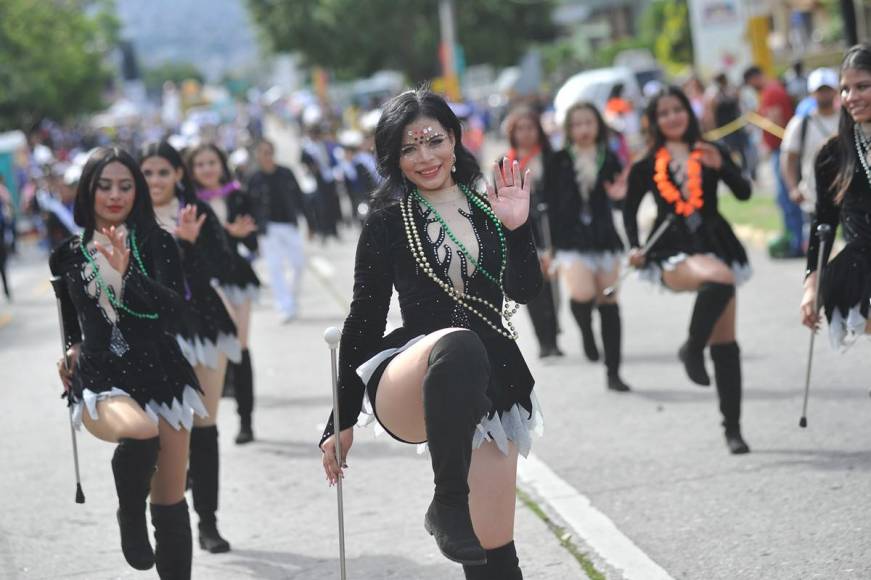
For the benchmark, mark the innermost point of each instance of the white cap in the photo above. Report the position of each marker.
(822, 77)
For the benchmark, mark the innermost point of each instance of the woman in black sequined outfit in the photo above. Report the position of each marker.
(208, 168)
(208, 335)
(583, 181)
(531, 149)
(452, 375)
(843, 178)
(127, 380)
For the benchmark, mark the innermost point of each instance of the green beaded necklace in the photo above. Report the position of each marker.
(468, 301)
(105, 287)
(475, 200)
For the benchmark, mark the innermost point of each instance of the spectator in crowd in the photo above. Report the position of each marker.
(806, 135)
(281, 203)
(776, 106)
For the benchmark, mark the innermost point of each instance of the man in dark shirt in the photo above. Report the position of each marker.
(280, 205)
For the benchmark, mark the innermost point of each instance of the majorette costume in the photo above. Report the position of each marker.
(845, 288)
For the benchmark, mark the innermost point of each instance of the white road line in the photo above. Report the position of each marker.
(588, 523)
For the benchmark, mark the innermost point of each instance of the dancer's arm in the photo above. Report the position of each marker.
(827, 211)
(71, 329)
(162, 289)
(731, 175)
(365, 324)
(210, 255)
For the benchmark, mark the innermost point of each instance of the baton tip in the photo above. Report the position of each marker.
(332, 336)
(80, 495)
(802, 422)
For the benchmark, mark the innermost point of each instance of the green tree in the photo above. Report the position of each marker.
(664, 29)
(356, 38)
(52, 58)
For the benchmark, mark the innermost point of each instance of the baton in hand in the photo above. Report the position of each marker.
(611, 290)
(58, 285)
(332, 336)
(824, 232)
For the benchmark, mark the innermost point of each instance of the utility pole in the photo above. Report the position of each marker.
(447, 21)
(848, 15)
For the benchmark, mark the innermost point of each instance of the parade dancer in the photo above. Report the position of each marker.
(699, 251)
(583, 180)
(531, 149)
(843, 182)
(453, 375)
(208, 335)
(123, 293)
(239, 285)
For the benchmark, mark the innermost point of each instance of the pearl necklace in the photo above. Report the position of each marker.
(862, 147)
(106, 288)
(509, 308)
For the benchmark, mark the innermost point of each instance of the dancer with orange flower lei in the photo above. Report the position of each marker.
(699, 251)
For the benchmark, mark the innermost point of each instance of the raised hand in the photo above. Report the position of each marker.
(189, 224)
(509, 194)
(242, 226)
(118, 254)
(711, 156)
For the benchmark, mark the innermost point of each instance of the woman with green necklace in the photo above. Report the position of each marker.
(582, 182)
(452, 376)
(125, 375)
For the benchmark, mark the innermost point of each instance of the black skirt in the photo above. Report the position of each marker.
(845, 292)
(208, 330)
(155, 374)
(241, 284)
(714, 236)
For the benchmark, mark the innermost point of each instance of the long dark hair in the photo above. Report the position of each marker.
(141, 214)
(184, 189)
(226, 174)
(857, 58)
(602, 129)
(693, 133)
(397, 114)
(526, 112)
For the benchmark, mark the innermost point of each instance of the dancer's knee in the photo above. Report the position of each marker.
(462, 350)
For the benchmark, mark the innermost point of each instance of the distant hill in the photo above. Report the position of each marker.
(215, 35)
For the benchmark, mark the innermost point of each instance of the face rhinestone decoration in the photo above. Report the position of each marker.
(422, 136)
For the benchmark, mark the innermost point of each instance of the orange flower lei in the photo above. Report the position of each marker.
(670, 192)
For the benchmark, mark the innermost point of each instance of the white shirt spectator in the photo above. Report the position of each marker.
(820, 128)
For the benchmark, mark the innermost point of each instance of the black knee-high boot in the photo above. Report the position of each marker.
(229, 389)
(612, 344)
(502, 564)
(172, 540)
(543, 315)
(727, 373)
(583, 313)
(245, 398)
(204, 484)
(454, 401)
(711, 301)
(133, 465)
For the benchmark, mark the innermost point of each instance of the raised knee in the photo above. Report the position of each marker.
(462, 351)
